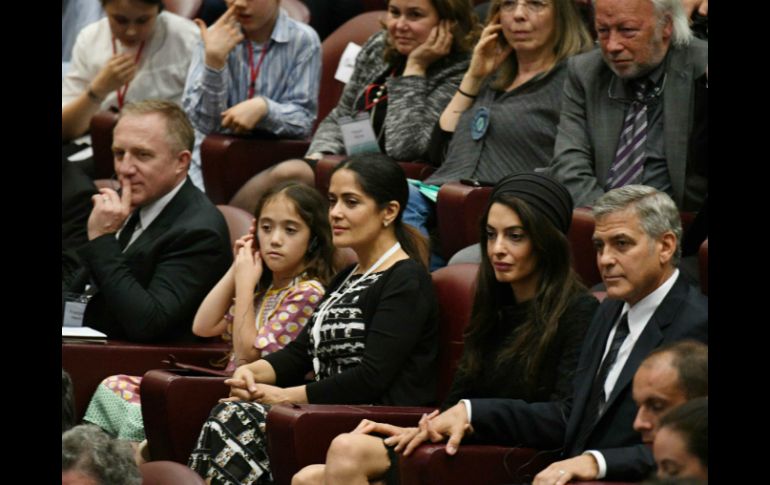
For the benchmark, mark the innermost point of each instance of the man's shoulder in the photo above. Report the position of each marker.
(94, 30)
(301, 33)
(178, 25)
(697, 46)
(196, 210)
(683, 313)
(695, 52)
(694, 302)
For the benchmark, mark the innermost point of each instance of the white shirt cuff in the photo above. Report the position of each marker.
(599, 461)
(467, 408)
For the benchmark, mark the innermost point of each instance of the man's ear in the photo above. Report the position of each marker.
(668, 244)
(183, 160)
(668, 28)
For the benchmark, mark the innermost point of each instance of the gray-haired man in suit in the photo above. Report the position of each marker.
(648, 58)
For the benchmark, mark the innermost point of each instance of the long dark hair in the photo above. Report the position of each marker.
(557, 285)
(312, 207)
(384, 180)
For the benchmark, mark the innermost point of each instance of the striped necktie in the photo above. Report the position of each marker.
(632, 148)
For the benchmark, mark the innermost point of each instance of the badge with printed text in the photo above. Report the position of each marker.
(358, 135)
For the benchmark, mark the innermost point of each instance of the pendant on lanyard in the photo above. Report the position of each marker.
(121, 92)
(336, 296)
(479, 123)
(254, 70)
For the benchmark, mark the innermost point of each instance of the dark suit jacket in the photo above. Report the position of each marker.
(152, 291)
(590, 124)
(683, 314)
(76, 192)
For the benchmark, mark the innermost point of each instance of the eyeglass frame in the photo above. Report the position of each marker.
(531, 6)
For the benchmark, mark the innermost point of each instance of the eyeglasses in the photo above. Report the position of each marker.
(531, 6)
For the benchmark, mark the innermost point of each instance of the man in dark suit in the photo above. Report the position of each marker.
(648, 304)
(157, 248)
(648, 59)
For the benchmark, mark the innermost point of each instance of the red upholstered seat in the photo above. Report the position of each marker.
(102, 124)
(238, 221)
(323, 171)
(458, 209)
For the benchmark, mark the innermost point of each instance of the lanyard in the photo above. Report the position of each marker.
(381, 94)
(323, 309)
(122, 90)
(254, 70)
(370, 103)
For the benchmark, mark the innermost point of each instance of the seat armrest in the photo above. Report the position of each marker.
(299, 435)
(89, 363)
(175, 404)
(486, 464)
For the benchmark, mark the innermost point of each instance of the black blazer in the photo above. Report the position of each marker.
(151, 292)
(683, 314)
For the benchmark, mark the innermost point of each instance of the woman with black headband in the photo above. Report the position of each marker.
(529, 317)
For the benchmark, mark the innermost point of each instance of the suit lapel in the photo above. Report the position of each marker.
(651, 337)
(584, 380)
(165, 219)
(677, 118)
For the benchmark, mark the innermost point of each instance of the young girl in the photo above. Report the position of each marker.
(261, 303)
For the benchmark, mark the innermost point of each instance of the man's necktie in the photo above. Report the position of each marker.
(632, 148)
(597, 399)
(128, 230)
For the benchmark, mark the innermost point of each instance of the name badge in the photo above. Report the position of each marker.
(74, 310)
(358, 135)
